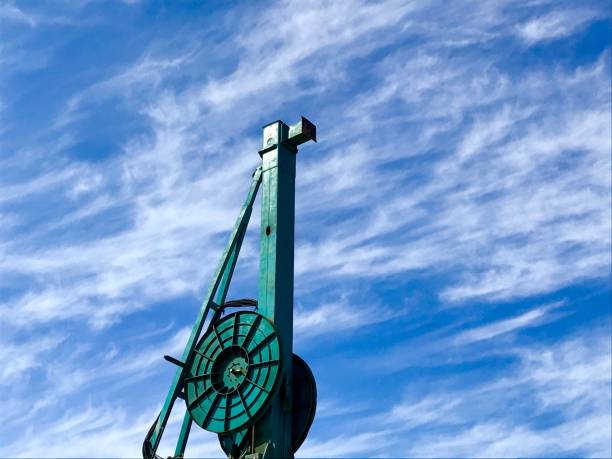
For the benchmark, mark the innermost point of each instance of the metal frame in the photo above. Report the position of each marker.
(272, 435)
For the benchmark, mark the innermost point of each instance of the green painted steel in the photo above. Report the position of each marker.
(181, 443)
(238, 379)
(279, 149)
(234, 373)
(303, 408)
(217, 290)
(276, 275)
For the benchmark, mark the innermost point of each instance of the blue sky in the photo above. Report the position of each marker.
(453, 227)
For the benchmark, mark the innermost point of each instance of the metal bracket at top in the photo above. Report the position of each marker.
(292, 136)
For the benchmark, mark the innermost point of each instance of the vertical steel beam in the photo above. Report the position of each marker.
(276, 275)
(273, 432)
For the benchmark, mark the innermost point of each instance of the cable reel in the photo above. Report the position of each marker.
(234, 373)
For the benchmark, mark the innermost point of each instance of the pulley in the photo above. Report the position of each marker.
(234, 372)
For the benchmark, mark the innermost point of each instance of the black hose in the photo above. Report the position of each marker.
(147, 449)
(241, 302)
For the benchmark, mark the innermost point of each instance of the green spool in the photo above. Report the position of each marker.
(304, 405)
(234, 373)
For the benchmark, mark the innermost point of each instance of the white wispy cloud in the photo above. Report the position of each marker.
(166, 196)
(341, 315)
(461, 342)
(18, 358)
(505, 209)
(81, 369)
(101, 430)
(9, 12)
(346, 445)
(571, 380)
(498, 417)
(163, 189)
(531, 318)
(434, 159)
(554, 25)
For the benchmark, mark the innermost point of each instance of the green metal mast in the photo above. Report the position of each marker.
(240, 379)
(276, 274)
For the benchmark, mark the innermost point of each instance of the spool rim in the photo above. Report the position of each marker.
(235, 372)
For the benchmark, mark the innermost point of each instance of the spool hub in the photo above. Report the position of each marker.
(234, 373)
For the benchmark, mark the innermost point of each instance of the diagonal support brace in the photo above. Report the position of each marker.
(215, 296)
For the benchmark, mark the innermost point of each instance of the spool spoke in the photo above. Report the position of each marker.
(200, 397)
(195, 378)
(251, 332)
(265, 362)
(263, 341)
(216, 332)
(235, 328)
(256, 385)
(205, 356)
(227, 412)
(244, 405)
(213, 407)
